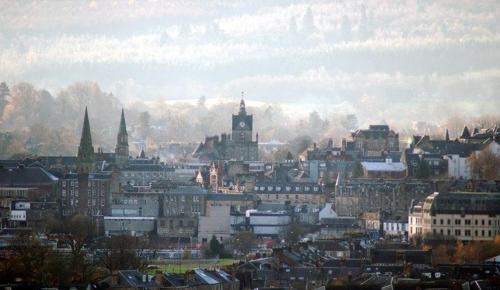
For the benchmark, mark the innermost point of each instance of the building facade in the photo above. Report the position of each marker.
(357, 195)
(375, 141)
(464, 216)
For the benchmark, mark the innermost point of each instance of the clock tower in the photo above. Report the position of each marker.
(236, 146)
(242, 125)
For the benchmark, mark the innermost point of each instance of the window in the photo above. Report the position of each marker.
(482, 222)
(467, 222)
(457, 233)
(467, 233)
(433, 221)
(448, 221)
(441, 221)
(476, 222)
(458, 222)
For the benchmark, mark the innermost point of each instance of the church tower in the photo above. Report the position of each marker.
(242, 125)
(85, 157)
(121, 150)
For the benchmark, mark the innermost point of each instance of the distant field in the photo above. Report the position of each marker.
(181, 266)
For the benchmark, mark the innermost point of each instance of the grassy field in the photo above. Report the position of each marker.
(176, 266)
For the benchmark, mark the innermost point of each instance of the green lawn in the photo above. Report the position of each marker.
(176, 266)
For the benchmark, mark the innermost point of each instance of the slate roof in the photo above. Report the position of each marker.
(469, 202)
(462, 149)
(26, 176)
(145, 167)
(384, 166)
(393, 256)
(232, 197)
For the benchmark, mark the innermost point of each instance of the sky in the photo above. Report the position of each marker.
(395, 60)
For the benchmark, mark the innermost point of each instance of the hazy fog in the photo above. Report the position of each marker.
(395, 61)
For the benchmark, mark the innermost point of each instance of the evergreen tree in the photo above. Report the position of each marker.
(214, 247)
(357, 171)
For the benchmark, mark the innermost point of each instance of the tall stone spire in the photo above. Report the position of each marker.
(447, 136)
(465, 133)
(121, 150)
(85, 150)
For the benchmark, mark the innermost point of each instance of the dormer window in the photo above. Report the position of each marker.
(269, 188)
(288, 188)
(297, 188)
(278, 188)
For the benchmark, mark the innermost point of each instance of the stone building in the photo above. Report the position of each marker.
(293, 192)
(239, 145)
(464, 216)
(357, 195)
(376, 141)
(144, 174)
(181, 207)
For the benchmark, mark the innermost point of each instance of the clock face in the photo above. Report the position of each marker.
(242, 124)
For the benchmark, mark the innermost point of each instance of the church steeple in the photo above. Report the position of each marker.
(121, 150)
(242, 107)
(447, 135)
(86, 150)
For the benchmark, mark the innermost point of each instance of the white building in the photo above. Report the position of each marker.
(465, 216)
(458, 166)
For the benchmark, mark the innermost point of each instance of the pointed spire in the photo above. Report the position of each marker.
(465, 133)
(123, 125)
(447, 135)
(242, 104)
(121, 149)
(86, 150)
